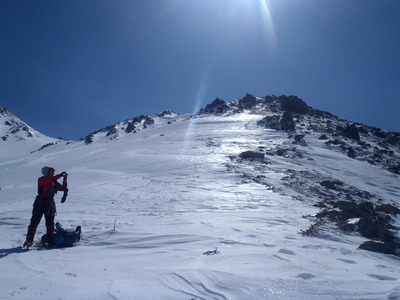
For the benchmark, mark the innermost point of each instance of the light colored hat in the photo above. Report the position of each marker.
(45, 170)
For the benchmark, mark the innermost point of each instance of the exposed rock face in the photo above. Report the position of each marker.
(293, 104)
(368, 220)
(131, 125)
(351, 131)
(167, 113)
(290, 113)
(271, 122)
(287, 123)
(217, 107)
(248, 102)
(252, 155)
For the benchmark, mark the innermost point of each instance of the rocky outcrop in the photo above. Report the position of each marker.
(217, 107)
(293, 104)
(247, 102)
(270, 122)
(132, 124)
(366, 219)
(252, 155)
(287, 123)
(351, 132)
(129, 126)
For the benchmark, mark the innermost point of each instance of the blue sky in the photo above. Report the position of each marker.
(69, 68)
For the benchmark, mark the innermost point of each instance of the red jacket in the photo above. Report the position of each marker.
(48, 186)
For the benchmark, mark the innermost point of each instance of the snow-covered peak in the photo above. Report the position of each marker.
(17, 137)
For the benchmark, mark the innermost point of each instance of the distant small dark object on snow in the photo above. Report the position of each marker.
(211, 252)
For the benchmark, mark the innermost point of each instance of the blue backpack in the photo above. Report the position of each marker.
(66, 238)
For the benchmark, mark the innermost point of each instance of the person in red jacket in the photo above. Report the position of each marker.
(44, 203)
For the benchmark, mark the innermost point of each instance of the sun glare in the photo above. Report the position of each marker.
(198, 102)
(267, 21)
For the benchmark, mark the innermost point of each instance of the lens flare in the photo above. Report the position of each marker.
(267, 21)
(199, 101)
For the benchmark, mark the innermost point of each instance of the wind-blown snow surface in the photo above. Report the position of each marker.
(174, 192)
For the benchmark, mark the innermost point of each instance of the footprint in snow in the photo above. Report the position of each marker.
(305, 276)
(382, 277)
(19, 291)
(347, 261)
(286, 251)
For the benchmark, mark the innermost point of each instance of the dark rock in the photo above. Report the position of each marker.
(351, 132)
(270, 99)
(388, 209)
(333, 215)
(395, 169)
(378, 132)
(45, 146)
(132, 124)
(367, 228)
(330, 184)
(320, 204)
(387, 248)
(394, 138)
(130, 127)
(372, 228)
(287, 123)
(299, 138)
(348, 227)
(271, 122)
(112, 131)
(321, 114)
(293, 104)
(248, 102)
(147, 121)
(217, 107)
(351, 153)
(281, 151)
(334, 142)
(89, 139)
(348, 207)
(323, 137)
(353, 210)
(363, 129)
(165, 113)
(367, 208)
(252, 155)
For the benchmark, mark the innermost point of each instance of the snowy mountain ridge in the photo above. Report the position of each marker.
(14, 129)
(131, 126)
(257, 198)
(17, 137)
(287, 113)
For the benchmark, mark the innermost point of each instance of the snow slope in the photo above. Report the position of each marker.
(152, 203)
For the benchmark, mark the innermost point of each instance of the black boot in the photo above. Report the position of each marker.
(30, 235)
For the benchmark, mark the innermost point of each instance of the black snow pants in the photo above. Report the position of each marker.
(46, 207)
